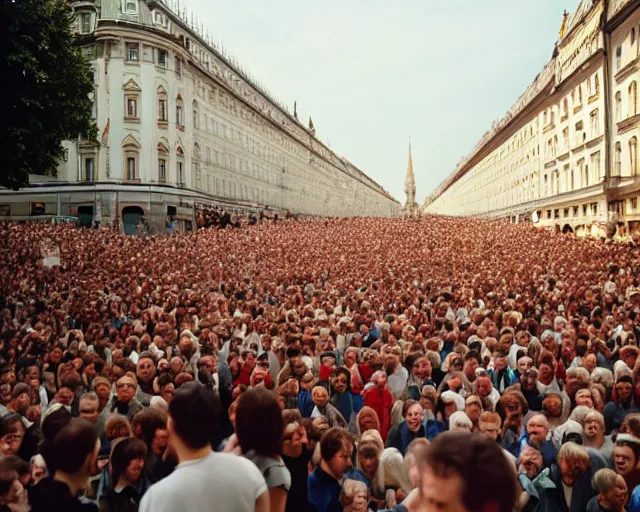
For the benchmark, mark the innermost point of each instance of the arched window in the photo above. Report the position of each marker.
(131, 152)
(179, 113)
(633, 98)
(618, 106)
(163, 163)
(633, 156)
(617, 159)
(180, 166)
(163, 107)
(196, 115)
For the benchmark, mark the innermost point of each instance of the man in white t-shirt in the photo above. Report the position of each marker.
(204, 480)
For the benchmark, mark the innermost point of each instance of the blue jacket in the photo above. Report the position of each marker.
(503, 379)
(324, 492)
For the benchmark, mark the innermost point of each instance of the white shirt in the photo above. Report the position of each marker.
(220, 482)
(397, 381)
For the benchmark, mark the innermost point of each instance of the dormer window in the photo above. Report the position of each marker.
(130, 6)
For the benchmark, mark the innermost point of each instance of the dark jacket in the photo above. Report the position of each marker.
(552, 500)
(127, 500)
(54, 496)
(400, 437)
(324, 492)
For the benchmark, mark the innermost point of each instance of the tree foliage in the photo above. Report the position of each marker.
(45, 85)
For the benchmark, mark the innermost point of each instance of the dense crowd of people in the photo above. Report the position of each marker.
(319, 365)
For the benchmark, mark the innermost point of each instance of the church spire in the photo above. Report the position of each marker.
(410, 207)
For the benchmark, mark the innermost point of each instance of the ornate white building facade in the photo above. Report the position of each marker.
(565, 154)
(179, 126)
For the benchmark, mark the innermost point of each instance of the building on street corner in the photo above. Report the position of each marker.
(566, 154)
(182, 126)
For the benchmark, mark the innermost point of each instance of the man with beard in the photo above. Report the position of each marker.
(146, 372)
(537, 436)
(594, 436)
(529, 388)
(397, 375)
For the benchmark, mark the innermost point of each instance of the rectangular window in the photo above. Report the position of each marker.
(131, 168)
(595, 124)
(575, 211)
(179, 116)
(89, 169)
(162, 110)
(618, 57)
(180, 173)
(162, 58)
(133, 52)
(162, 170)
(132, 107)
(130, 7)
(594, 208)
(178, 67)
(584, 209)
(634, 203)
(86, 23)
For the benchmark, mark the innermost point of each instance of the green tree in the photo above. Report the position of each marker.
(45, 85)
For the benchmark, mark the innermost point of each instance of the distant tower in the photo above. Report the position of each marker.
(411, 208)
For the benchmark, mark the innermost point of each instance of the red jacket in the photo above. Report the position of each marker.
(381, 402)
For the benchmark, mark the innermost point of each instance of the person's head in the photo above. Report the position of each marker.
(75, 449)
(354, 496)
(126, 388)
(194, 414)
(11, 433)
(368, 419)
(483, 386)
(102, 387)
(88, 406)
(489, 425)
(624, 388)
(460, 421)
(473, 408)
(368, 458)
(417, 446)
(117, 426)
(530, 461)
(320, 395)
(146, 368)
(259, 425)
(537, 429)
(421, 368)
(150, 425)
(127, 461)
(584, 397)
(11, 489)
(611, 488)
(340, 380)
(523, 365)
(573, 460)
(379, 378)
(466, 473)
(594, 425)
(413, 415)
(626, 455)
(21, 398)
(336, 447)
(292, 439)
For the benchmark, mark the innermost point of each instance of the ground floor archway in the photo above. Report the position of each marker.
(130, 217)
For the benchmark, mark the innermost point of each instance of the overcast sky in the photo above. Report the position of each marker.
(372, 73)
